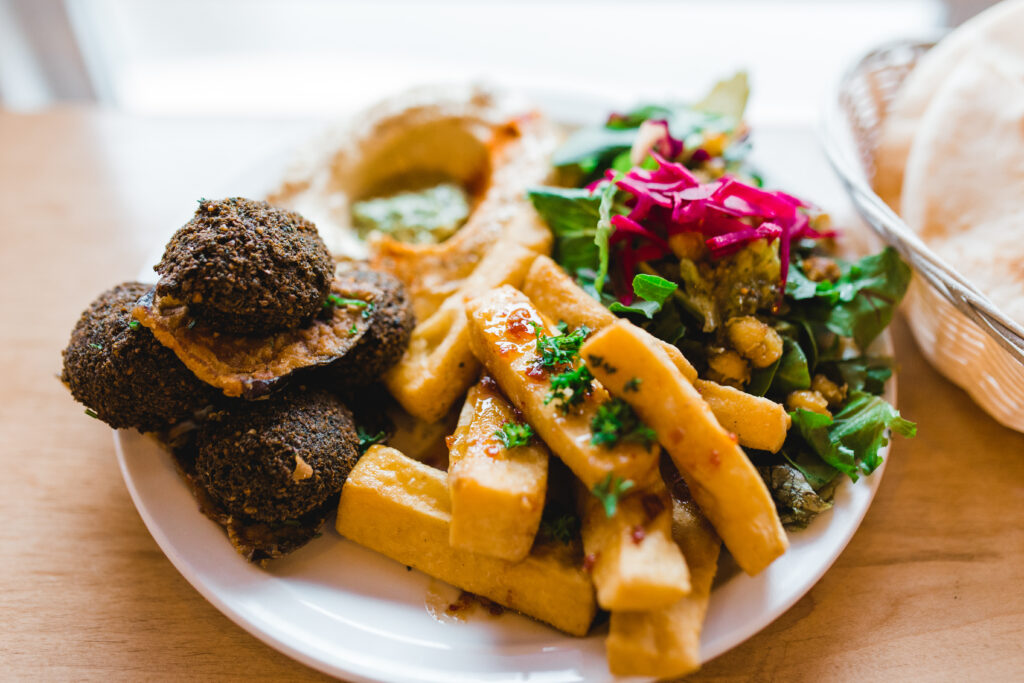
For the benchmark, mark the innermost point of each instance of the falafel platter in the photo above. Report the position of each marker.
(575, 374)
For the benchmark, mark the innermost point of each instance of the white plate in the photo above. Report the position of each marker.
(350, 612)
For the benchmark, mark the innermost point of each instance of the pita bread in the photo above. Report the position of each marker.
(963, 188)
(1002, 25)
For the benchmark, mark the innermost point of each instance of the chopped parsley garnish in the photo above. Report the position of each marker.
(366, 439)
(609, 490)
(335, 301)
(570, 388)
(598, 361)
(370, 308)
(98, 347)
(633, 384)
(615, 421)
(352, 330)
(562, 348)
(191, 323)
(562, 528)
(513, 434)
(134, 324)
(91, 413)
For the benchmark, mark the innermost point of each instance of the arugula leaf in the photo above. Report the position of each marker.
(761, 378)
(603, 233)
(793, 372)
(573, 216)
(652, 290)
(728, 97)
(589, 145)
(865, 373)
(850, 441)
(860, 303)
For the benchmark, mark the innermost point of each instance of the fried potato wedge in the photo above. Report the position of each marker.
(634, 562)
(721, 478)
(497, 493)
(665, 642)
(438, 366)
(758, 422)
(401, 508)
(502, 336)
(555, 294)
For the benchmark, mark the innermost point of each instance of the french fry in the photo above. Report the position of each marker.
(502, 337)
(720, 476)
(497, 494)
(758, 422)
(665, 643)
(555, 295)
(438, 366)
(401, 508)
(635, 564)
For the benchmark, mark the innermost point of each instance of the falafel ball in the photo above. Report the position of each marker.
(280, 458)
(390, 325)
(121, 372)
(245, 267)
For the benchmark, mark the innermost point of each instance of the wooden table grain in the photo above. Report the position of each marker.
(930, 588)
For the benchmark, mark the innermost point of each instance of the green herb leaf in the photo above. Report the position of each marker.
(513, 435)
(335, 301)
(570, 388)
(632, 384)
(562, 528)
(98, 347)
(615, 421)
(366, 439)
(609, 490)
(91, 413)
(555, 350)
(134, 324)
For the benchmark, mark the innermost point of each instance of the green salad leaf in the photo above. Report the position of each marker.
(652, 290)
(850, 440)
(860, 303)
(573, 216)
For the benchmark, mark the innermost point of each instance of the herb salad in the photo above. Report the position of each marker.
(665, 222)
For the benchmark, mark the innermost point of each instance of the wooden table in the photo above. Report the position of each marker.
(930, 588)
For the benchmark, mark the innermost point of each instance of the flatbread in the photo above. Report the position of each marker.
(999, 26)
(963, 188)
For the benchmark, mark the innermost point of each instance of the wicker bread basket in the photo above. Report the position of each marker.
(958, 329)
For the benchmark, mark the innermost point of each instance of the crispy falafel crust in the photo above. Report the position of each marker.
(246, 267)
(122, 373)
(390, 326)
(252, 367)
(277, 459)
